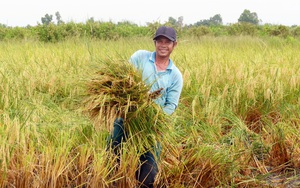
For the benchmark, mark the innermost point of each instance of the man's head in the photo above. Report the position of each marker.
(165, 31)
(165, 41)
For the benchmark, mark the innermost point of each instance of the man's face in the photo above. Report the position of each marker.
(164, 46)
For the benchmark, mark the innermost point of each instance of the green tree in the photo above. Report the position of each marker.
(58, 18)
(175, 23)
(91, 20)
(199, 31)
(3, 25)
(212, 21)
(249, 17)
(216, 20)
(172, 21)
(47, 19)
(180, 22)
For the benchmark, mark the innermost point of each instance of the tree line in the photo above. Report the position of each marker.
(50, 30)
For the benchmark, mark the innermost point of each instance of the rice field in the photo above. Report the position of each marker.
(237, 124)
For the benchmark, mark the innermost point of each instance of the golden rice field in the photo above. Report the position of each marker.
(237, 125)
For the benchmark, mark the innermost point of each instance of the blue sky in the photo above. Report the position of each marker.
(29, 12)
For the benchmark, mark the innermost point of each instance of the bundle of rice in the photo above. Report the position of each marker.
(117, 90)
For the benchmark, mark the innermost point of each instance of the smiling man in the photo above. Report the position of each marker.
(159, 71)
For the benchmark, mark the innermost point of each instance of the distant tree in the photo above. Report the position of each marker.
(199, 31)
(204, 22)
(172, 21)
(249, 17)
(175, 23)
(215, 20)
(91, 20)
(295, 31)
(47, 19)
(180, 22)
(3, 25)
(58, 18)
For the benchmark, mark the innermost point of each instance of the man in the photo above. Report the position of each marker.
(159, 71)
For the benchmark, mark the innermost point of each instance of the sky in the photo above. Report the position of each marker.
(29, 12)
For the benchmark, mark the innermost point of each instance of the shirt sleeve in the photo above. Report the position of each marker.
(173, 94)
(136, 59)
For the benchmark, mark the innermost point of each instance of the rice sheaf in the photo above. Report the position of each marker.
(118, 90)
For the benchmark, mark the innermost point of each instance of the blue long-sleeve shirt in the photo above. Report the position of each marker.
(170, 80)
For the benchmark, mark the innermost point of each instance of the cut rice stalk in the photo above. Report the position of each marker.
(118, 90)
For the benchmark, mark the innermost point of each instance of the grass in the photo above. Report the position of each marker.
(237, 124)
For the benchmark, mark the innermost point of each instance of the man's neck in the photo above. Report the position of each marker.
(162, 60)
(162, 64)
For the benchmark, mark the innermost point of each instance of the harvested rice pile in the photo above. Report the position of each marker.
(117, 90)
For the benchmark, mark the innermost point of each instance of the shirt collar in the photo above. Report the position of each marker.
(152, 59)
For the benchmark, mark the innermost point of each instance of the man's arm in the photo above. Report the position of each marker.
(173, 95)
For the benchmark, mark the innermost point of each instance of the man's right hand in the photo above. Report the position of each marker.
(155, 94)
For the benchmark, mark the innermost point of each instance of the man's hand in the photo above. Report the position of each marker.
(155, 94)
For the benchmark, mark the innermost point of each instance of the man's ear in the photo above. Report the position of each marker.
(175, 44)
